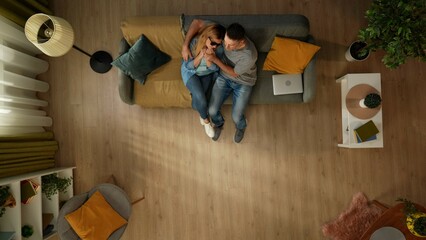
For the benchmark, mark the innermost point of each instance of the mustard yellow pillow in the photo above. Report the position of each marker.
(289, 55)
(96, 219)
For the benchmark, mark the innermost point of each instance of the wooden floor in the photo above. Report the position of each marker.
(286, 178)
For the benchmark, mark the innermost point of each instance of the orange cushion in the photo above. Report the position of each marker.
(96, 219)
(289, 55)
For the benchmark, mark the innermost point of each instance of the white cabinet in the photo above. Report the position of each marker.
(31, 213)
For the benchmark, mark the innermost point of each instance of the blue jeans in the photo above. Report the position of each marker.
(199, 87)
(221, 90)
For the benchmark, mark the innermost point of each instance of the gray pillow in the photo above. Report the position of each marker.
(142, 58)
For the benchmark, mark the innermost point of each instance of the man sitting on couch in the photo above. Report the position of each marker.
(237, 75)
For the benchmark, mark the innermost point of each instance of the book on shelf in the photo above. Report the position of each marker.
(46, 219)
(7, 235)
(366, 132)
(28, 190)
(36, 186)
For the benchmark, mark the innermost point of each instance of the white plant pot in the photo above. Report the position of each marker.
(349, 57)
(361, 103)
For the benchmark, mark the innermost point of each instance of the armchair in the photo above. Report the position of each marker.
(114, 195)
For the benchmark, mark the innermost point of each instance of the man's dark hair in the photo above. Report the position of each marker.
(235, 32)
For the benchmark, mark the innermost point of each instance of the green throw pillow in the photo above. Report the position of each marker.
(141, 59)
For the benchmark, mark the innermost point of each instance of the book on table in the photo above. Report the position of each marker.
(366, 132)
(358, 140)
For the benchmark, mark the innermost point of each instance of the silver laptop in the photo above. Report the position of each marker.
(287, 83)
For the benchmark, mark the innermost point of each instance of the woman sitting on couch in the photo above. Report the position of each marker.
(198, 74)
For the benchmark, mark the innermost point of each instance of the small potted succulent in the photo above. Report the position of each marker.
(372, 100)
(6, 199)
(27, 231)
(52, 184)
(416, 220)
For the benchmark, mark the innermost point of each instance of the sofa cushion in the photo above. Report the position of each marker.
(142, 58)
(289, 55)
(163, 31)
(164, 89)
(95, 219)
(263, 92)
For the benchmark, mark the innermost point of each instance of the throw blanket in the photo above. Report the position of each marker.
(353, 222)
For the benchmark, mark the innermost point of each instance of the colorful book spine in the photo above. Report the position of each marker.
(358, 140)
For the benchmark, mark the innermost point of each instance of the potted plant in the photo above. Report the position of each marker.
(52, 184)
(416, 220)
(356, 52)
(6, 199)
(27, 231)
(397, 27)
(372, 100)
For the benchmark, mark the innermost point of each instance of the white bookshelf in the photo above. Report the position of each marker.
(31, 213)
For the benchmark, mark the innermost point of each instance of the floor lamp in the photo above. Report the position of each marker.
(54, 36)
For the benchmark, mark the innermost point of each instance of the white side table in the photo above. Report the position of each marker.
(349, 121)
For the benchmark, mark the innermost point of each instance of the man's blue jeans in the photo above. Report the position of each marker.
(221, 90)
(199, 87)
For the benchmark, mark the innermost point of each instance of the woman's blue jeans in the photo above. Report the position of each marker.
(221, 90)
(199, 86)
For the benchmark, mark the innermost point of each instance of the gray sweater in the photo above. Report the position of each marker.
(244, 63)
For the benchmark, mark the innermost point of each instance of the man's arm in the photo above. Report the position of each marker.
(193, 30)
(226, 68)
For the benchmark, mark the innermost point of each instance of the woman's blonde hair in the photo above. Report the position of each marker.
(215, 31)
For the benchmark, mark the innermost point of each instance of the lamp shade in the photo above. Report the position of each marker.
(54, 36)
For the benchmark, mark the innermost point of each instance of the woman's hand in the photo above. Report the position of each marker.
(199, 57)
(210, 57)
(209, 51)
(186, 53)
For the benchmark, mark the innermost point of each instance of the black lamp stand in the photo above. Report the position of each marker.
(100, 61)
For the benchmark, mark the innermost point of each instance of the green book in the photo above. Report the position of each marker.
(366, 131)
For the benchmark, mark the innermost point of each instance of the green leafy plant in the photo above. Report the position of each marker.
(409, 207)
(411, 212)
(398, 28)
(372, 100)
(52, 184)
(27, 231)
(420, 226)
(4, 197)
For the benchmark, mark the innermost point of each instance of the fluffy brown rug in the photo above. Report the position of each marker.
(353, 222)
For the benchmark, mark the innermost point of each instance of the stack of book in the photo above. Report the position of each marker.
(28, 190)
(366, 132)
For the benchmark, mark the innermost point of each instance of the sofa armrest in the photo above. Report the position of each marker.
(309, 81)
(309, 78)
(125, 88)
(125, 83)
